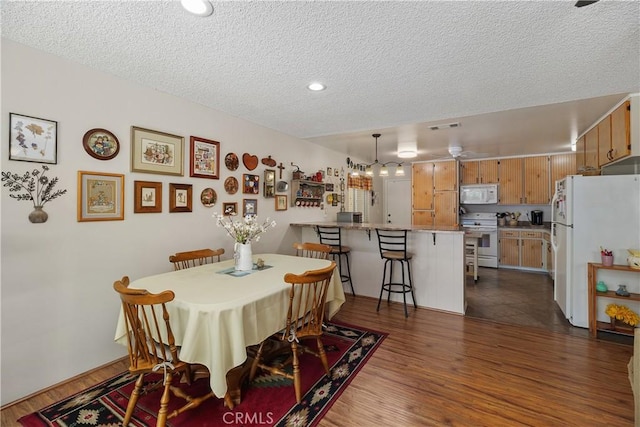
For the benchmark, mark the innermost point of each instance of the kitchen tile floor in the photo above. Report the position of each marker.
(518, 298)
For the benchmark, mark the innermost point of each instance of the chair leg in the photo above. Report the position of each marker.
(256, 362)
(404, 294)
(390, 280)
(413, 296)
(384, 274)
(164, 402)
(133, 400)
(296, 372)
(323, 355)
(353, 292)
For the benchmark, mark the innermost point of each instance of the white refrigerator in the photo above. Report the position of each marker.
(589, 212)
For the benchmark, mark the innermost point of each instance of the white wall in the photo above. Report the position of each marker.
(58, 306)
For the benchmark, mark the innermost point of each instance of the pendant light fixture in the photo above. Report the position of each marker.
(384, 170)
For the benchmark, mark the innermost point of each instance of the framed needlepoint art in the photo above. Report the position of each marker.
(204, 158)
(100, 196)
(101, 144)
(180, 197)
(156, 152)
(148, 197)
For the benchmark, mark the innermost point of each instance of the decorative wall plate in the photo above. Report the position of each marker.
(269, 161)
(231, 161)
(101, 144)
(250, 161)
(231, 185)
(208, 197)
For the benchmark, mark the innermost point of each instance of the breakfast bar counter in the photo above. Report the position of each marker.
(437, 267)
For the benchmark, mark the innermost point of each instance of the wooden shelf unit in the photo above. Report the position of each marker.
(594, 324)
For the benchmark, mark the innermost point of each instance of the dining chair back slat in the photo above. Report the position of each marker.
(312, 250)
(188, 259)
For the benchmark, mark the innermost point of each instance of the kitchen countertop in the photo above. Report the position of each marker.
(372, 226)
(525, 225)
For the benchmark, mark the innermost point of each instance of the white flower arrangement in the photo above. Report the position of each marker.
(245, 230)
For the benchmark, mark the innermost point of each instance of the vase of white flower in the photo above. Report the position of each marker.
(243, 231)
(242, 255)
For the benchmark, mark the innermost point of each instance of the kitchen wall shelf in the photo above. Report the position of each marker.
(306, 193)
(594, 324)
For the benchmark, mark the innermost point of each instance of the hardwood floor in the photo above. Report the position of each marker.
(439, 369)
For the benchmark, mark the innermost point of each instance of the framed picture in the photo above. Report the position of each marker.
(100, 196)
(101, 144)
(156, 152)
(249, 207)
(281, 202)
(250, 184)
(208, 197)
(328, 188)
(32, 139)
(147, 196)
(229, 208)
(205, 158)
(180, 197)
(269, 183)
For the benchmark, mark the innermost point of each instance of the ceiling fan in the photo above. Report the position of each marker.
(456, 152)
(582, 3)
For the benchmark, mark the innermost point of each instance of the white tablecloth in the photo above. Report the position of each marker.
(214, 317)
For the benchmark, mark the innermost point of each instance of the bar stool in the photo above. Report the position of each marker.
(471, 254)
(332, 236)
(393, 248)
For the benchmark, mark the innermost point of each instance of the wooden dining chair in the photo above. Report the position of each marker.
(312, 250)
(152, 348)
(307, 299)
(182, 260)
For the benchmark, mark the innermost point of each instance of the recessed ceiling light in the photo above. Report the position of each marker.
(316, 87)
(197, 7)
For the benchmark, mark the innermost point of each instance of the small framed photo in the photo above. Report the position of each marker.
(204, 158)
(180, 197)
(249, 207)
(101, 144)
(147, 197)
(156, 152)
(250, 184)
(32, 139)
(229, 208)
(328, 188)
(100, 196)
(281, 202)
(269, 183)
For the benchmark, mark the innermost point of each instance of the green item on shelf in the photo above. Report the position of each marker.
(601, 287)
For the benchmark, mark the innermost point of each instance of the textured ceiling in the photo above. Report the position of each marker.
(389, 67)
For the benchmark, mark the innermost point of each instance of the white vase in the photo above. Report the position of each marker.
(242, 255)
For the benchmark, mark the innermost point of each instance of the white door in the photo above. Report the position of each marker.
(397, 201)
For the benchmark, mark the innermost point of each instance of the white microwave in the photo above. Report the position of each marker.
(480, 194)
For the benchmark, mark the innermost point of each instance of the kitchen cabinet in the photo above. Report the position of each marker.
(580, 159)
(522, 249)
(306, 193)
(592, 275)
(604, 141)
(561, 165)
(524, 181)
(614, 135)
(446, 208)
(479, 172)
(435, 193)
(591, 150)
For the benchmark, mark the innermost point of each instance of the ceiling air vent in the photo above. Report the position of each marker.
(445, 126)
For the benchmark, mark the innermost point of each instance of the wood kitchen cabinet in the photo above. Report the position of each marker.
(479, 172)
(521, 248)
(591, 150)
(435, 193)
(422, 183)
(614, 135)
(561, 165)
(524, 181)
(580, 158)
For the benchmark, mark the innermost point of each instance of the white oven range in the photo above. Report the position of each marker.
(486, 224)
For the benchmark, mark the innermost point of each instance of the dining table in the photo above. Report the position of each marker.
(218, 312)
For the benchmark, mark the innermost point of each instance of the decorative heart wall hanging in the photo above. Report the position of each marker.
(250, 161)
(269, 161)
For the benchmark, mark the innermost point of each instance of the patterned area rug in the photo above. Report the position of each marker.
(266, 401)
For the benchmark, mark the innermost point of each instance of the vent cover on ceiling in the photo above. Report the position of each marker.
(445, 126)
